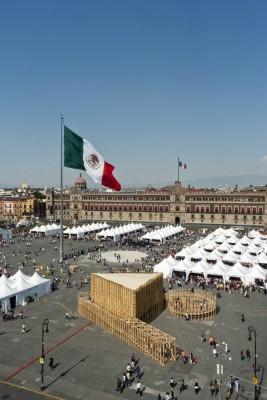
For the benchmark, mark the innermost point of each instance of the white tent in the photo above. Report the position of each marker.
(15, 290)
(219, 269)
(201, 267)
(261, 259)
(255, 272)
(165, 267)
(237, 271)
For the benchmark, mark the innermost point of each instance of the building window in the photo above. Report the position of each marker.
(192, 216)
(188, 209)
(177, 208)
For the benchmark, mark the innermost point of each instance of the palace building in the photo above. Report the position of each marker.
(172, 205)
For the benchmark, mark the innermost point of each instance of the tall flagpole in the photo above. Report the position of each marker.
(178, 168)
(61, 245)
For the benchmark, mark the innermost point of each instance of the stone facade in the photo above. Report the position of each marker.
(175, 205)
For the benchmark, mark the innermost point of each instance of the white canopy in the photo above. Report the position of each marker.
(255, 272)
(15, 290)
(237, 271)
(165, 267)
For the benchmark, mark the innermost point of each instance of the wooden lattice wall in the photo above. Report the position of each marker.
(144, 303)
(198, 304)
(146, 338)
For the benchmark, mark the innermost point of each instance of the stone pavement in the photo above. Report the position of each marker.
(88, 360)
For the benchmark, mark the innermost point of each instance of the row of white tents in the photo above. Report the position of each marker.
(222, 253)
(119, 231)
(15, 290)
(49, 229)
(226, 272)
(80, 231)
(160, 235)
(229, 249)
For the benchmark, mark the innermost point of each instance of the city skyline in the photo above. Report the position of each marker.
(145, 82)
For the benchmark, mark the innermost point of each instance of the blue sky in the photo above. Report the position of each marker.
(146, 81)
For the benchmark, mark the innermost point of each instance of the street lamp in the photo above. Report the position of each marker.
(253, 331)
(44, 330)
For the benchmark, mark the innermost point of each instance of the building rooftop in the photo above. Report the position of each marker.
(131, 281)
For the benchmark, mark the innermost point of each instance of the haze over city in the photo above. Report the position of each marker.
(145, 82)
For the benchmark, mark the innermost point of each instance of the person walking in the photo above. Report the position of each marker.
(202, 337)
(21, 314)
(211, 387)
(138, 388)
(248, 355)
(124, 381)
(216, 387)
(119, 385)
(242, 318)
(51, 363)
(242, 355)
(196, 387)
(172, 383)
(128, 378)
(137, 372)
(215, 353)
(23, 328)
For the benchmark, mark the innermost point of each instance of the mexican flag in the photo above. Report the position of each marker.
(81, 154)
(184, 166)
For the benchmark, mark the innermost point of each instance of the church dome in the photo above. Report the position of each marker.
(25, 186)
(80, 182)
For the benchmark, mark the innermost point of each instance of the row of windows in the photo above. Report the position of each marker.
(211, 216)
(120, 215)
(229, 210)
(121, 198)
(117, 208)
(226, 199)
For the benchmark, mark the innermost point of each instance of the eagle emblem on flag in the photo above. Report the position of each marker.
(93, 161)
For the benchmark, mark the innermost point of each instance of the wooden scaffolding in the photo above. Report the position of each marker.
(146, 338)
(138, 295)
(198, 304)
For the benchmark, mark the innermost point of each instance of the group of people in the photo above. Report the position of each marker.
(132, 371)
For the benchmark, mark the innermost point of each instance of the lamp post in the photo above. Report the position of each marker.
(253, 331)
(44, 329)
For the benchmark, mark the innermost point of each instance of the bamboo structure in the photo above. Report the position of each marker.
(126, 295)
(146, 338)
(198, 304)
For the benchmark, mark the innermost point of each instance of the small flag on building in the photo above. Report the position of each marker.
(182, 165)
(81, 154)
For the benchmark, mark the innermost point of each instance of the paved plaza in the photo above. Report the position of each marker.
(88, 360)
